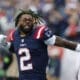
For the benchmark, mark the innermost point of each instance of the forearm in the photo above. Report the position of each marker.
(65, 43)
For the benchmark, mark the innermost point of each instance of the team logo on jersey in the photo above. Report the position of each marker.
(48, 33)
(22, 45)
(22, 40)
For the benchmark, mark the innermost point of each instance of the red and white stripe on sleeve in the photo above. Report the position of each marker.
(39, 32)
(10, 36)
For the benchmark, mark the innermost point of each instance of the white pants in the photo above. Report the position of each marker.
(70, 65)
(70, 62)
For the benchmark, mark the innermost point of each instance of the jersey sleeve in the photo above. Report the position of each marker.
(10, 40)
(10, 37)
(46, 35)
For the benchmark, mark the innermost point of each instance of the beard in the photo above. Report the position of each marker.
(26, 29)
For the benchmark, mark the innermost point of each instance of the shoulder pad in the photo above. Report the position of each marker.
(39, 32)
(10, 36)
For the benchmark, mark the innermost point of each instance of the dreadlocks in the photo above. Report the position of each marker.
(37, 17)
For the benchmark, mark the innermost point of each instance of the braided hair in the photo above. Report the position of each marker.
(36, 16)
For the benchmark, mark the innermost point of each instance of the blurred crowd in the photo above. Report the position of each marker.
(62, 16)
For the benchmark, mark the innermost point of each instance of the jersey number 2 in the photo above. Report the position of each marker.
(27, 57)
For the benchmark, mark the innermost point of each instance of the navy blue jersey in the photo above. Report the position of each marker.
(31, 52)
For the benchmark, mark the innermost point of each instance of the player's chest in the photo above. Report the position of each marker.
(27, 43)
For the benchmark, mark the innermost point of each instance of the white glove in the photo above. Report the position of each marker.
(3, 42)
(2, 39)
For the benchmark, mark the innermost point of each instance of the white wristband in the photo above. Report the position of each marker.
(51, 41)
(78, 47)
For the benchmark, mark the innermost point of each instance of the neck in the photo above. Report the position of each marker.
(22, 34)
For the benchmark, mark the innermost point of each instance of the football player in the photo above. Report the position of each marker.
(29, 41)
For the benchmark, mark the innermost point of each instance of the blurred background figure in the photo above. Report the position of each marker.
(6, 15)
(5, 61)
(73, 30)
(54, 66)
(3, 21)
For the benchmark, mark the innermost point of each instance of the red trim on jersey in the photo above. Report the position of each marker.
(10, 36)
(39, 32)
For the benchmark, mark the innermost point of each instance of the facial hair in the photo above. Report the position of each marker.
(25, 30)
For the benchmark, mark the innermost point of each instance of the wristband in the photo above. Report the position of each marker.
(78, 47)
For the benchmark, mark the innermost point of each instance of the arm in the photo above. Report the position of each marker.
(65, 43)
(58, 41)
(50, 39)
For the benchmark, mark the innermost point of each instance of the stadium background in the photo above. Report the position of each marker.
(62, 16)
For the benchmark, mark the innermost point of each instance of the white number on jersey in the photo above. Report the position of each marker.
(27, 57)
